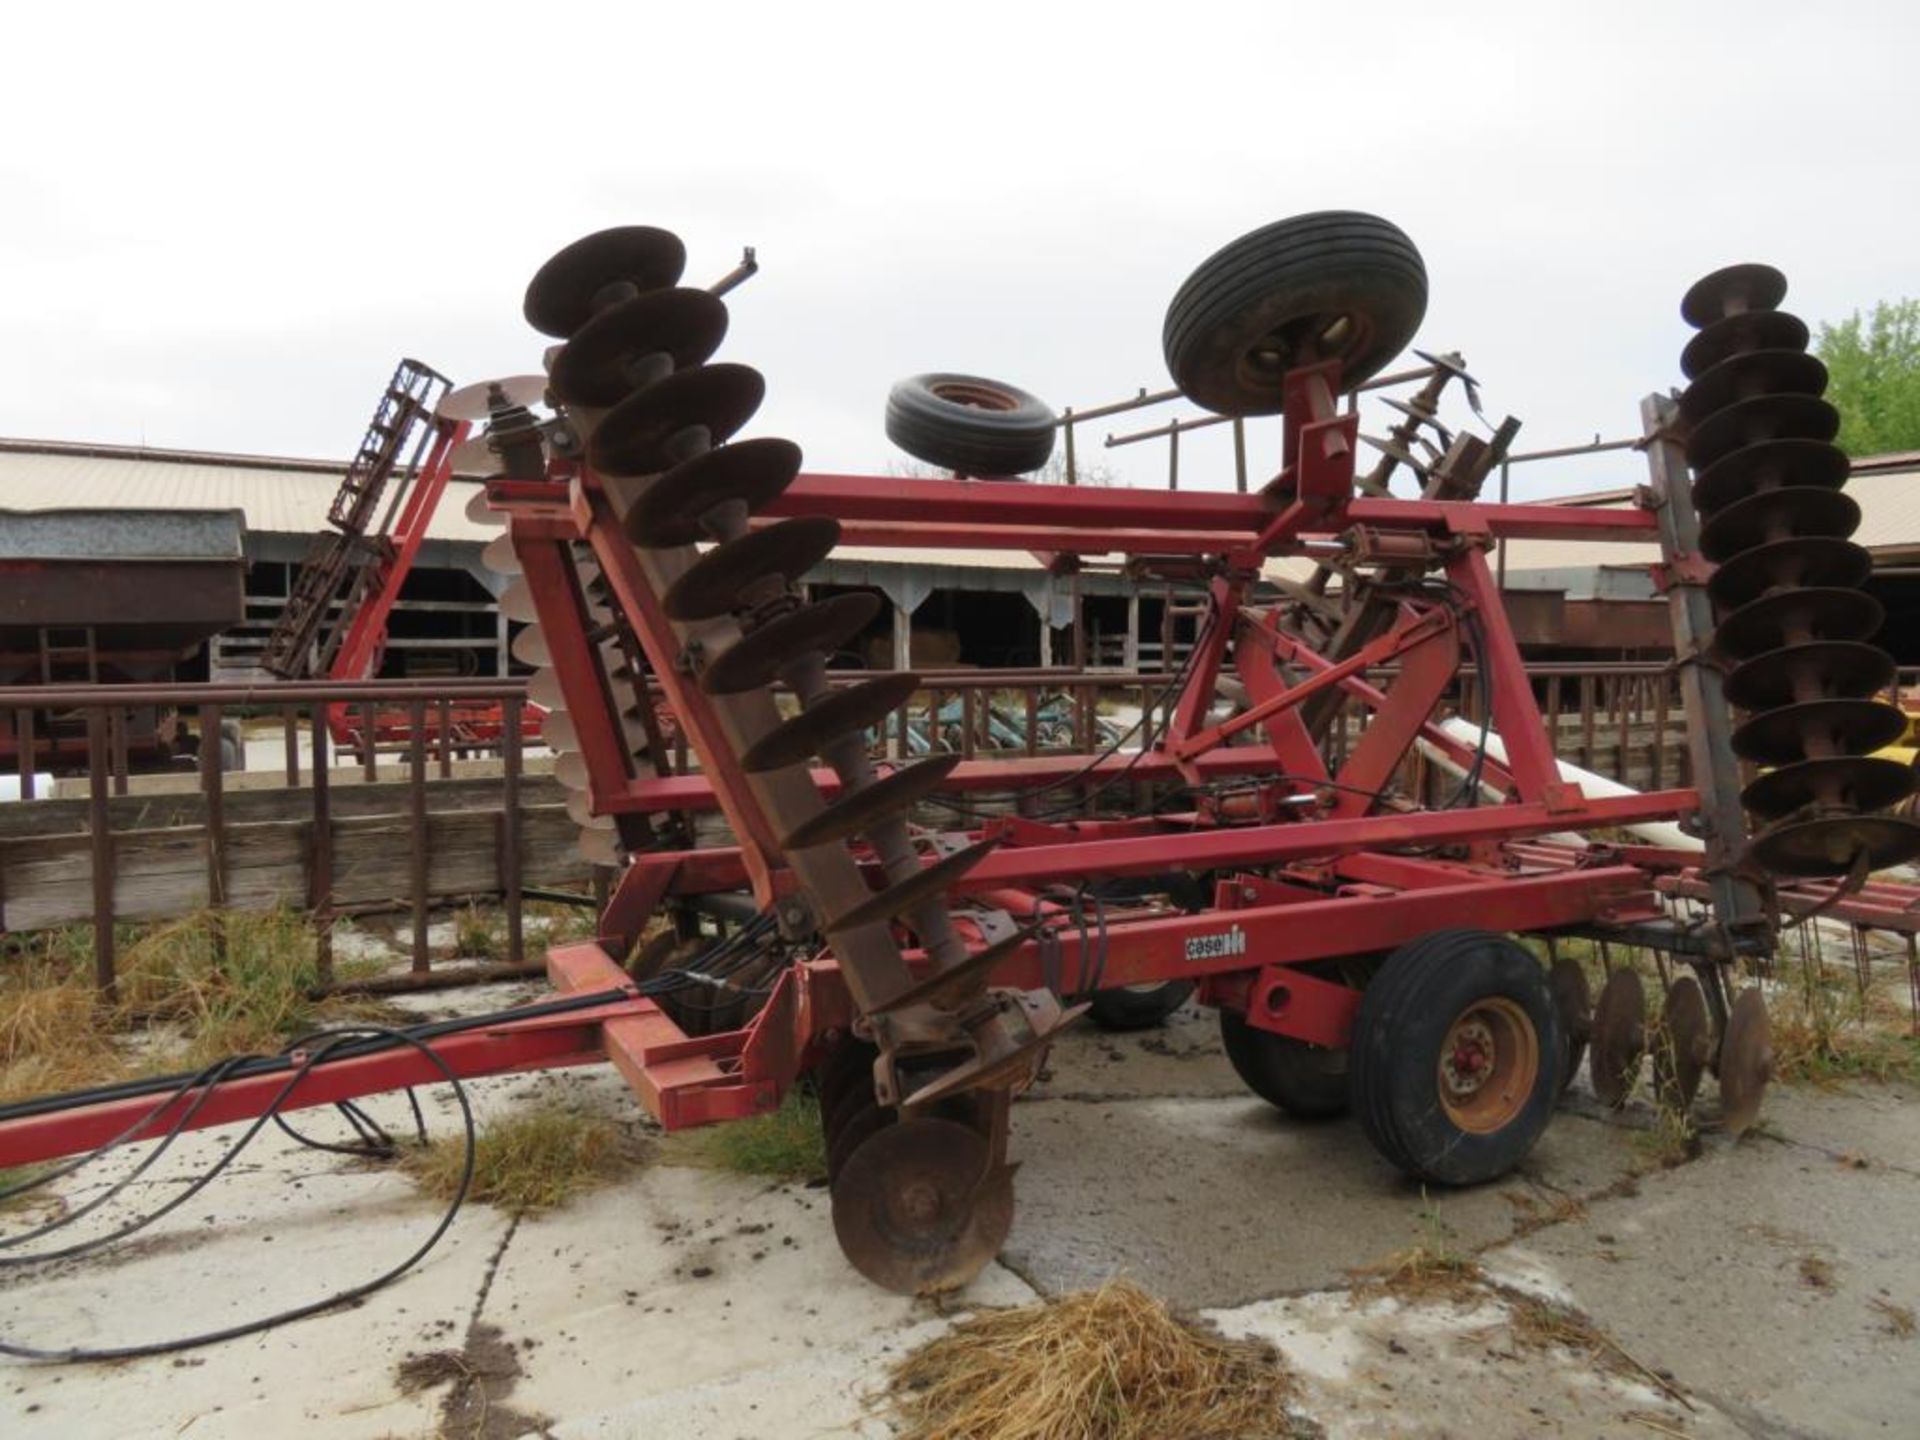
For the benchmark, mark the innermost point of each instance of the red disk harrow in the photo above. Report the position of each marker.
(909, 937)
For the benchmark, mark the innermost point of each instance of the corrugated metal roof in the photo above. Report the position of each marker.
(288, 497)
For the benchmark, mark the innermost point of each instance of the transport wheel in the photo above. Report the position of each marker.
(1457, 1056)
(1309, 1082)
(970, 425)
(1332, 285)
(1138, 1007)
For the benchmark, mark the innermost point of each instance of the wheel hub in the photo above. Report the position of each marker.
(1488, 1062)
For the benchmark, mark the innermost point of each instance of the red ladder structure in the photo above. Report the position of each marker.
(360, 563)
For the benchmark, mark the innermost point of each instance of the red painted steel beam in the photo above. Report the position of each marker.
(1273, 844)
(525, 1045)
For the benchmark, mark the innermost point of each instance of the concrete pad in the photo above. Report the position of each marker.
(1866, 1121)
(1753, 1275)
(1220, 1202)
(684, 1280)
(1381, 1368)
(1180, 1058)
(285, 1228)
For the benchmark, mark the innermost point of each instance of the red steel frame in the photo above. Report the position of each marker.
(1291, 892)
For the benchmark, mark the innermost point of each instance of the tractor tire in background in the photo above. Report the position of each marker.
(1141, 1007)
(1332, 285)
(1309, 1082)
(970, 425)
(1457, 1056)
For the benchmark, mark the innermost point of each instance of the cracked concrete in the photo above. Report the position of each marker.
(1761, 1282)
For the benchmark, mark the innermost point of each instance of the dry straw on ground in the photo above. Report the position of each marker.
(1106, 1364)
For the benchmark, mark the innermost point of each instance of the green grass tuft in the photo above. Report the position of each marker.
(784, 1145)
(527, 1161)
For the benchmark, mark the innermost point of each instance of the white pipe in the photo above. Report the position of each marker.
(1660, 832)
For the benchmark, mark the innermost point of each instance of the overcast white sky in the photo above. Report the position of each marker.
(222, 224)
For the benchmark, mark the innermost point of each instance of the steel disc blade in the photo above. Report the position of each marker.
(857, 811)
(1684, 1045)
(758, 657)
(1792, 617)
(1788, 565)
(845, 712)
(1732, 290)
(637, 436)
(1619, 1037)
(949, 988)
(498, 556)
(529, 647)
(605, 360)
(1833, 845)
(1774, 465)
(1758, 372)
(716, 583)
(602, 847)
(516, 602)
(752, 472)
(543, 689)
(1737, 334)
(1818, 670)
(1746, 1062)
(1854, 783)
(580, 811)
(598, 270)
(859, 1120)
(480, 399)
(1010, 1070)
(903, 895)
(570, 769)
(1763, 418)
(558, 731)
(1574, 1001)
(1793, 513)
(1816, 729)
(919, 1208)
(479, 512)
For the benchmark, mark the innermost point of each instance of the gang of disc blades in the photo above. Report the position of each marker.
(947, 988)
(1732, 290)
(1858, 783)
(1793, 513)
(1770, 465)
(857, 811)
(1619, 1038)
(919, 1208)
(903, 895)
(1737, 334)
(633, 438)
(1683, 1046)
(1812, 560)
(1790, 617)
(758, 657)
(713, 585)
(595, 367)
(598, 270)
(1746, 1062)
(1763, 418)
(1817, 670)
(752, 471)
(1818, 727)
(1574, 1000)
(1758, 372)
(479, 400)
(1832, 844)
(850, 711)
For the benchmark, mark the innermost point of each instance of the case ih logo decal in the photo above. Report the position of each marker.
(1215, 947)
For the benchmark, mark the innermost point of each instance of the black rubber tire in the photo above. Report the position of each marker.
(1252, 310)
(1138, 1008)
(1404, 1018)
(1309, 1082)
(970, 425)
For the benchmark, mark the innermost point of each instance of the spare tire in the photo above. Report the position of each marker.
(970, 425)
(1333, 285)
